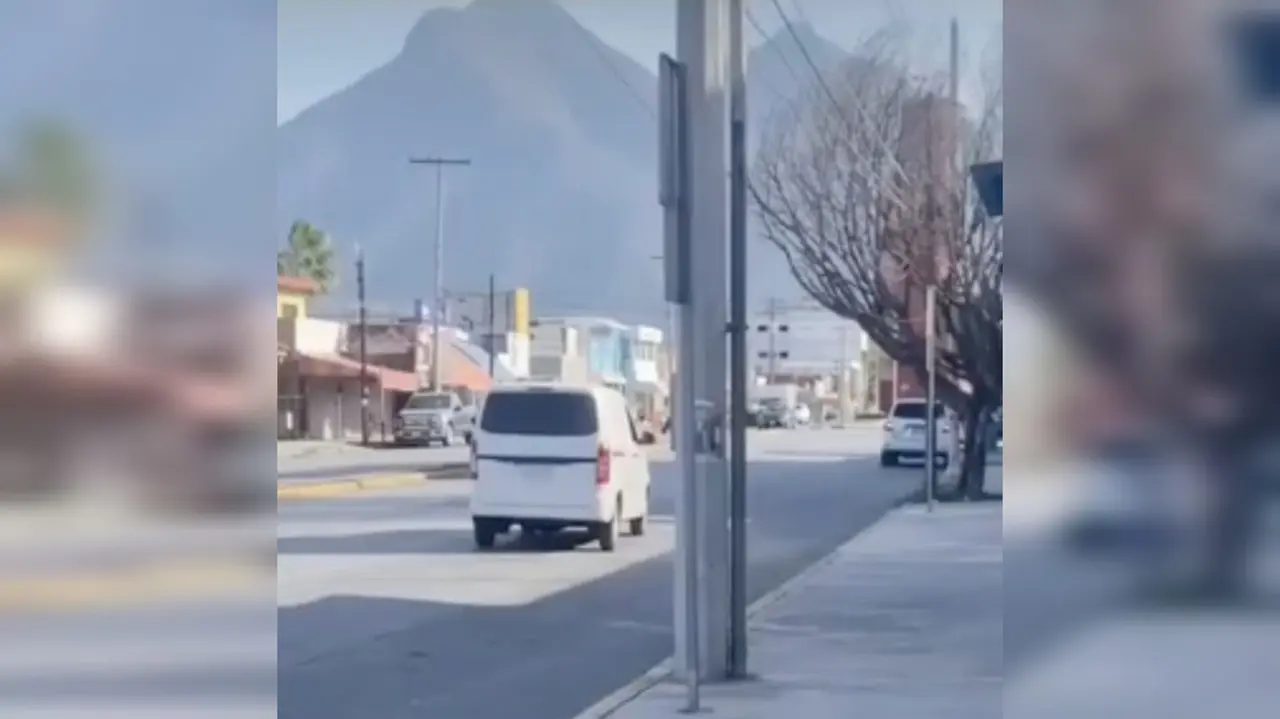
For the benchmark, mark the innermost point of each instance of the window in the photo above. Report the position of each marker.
(915, 410)
(546, 413)
(430, 401)
(289, 311)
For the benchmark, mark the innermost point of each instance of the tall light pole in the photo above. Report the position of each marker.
(440, 163)
(737, 665)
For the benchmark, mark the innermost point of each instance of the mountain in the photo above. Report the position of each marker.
(560, 196)
(779, 70)
(779, 73)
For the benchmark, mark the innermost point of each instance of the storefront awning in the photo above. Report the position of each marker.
(337, 367)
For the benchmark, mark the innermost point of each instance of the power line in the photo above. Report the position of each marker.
(755, 23)
(599, 48)
(822, 83)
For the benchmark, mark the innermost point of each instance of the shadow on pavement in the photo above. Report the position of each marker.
(492, 654)
(432, 541)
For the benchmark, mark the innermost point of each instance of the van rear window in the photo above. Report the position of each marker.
(547, 414)
(915, 410)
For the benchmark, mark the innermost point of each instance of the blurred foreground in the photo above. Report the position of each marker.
(1142, 559)
(137, 528)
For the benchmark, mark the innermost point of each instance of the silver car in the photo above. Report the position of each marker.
(430, 417)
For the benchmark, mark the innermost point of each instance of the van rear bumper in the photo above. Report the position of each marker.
(553, 515)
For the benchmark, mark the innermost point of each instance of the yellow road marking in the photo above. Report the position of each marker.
(156, 582)
(348, 486)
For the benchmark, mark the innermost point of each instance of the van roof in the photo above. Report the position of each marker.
(545, 387)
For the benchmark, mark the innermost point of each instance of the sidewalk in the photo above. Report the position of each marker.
(903, 622)
(300, 448)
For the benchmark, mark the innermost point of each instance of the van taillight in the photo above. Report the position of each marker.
(602, 466)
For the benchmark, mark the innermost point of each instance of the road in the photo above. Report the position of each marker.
(386, 611)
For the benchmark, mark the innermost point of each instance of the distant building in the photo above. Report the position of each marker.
(645, 369)
(605, 344)
(293, 296)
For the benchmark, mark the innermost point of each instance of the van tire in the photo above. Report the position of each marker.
(484, 533)
(607, 532)
(636, 526)
(888, 459)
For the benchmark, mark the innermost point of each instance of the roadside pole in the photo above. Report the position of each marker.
(701, 48)
(673, 195)
(364, 345)
(737, 663)
(931, 419)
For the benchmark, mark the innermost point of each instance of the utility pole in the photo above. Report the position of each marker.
(674, 196)
(493, 294)
(439, 163)
(702, 54)
(364, 349)
(931, 419)
(737, 664)
(844, 374)
(954, 86)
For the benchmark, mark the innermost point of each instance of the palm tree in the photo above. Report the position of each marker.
(309, 253)
(54, 169)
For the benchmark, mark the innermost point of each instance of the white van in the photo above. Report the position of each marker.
(550, 456)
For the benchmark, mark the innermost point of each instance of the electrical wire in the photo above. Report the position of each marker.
(598, 47)
(826, 88)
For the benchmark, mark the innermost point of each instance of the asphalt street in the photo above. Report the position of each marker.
(386, 611)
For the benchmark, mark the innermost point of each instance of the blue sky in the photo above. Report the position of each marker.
(325, 45)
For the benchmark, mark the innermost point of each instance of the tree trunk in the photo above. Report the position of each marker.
(973, 459)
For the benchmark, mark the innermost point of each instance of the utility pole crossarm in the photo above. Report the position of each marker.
(463, 161)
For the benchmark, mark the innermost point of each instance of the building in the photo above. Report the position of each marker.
(319, 385)
(293, 296)
(604, 344)
(929, 147)
(645, 367)
(557, 354)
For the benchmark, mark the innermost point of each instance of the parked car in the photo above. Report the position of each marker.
(776, 413)
(801, 414)
(430, 417)
(703, 408)
(904, 433)
(553, 456)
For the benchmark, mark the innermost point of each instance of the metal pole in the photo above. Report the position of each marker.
(438, 310)
(493, 297)
(674, 176)
(843, 397)
(737, 664)
(438, 303)
(931, 420)
(364, 348)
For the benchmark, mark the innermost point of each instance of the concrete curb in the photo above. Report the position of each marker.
(609, 705)
(321, 490)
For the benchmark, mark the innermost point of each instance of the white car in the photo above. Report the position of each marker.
(801, 414)
(904, 433)
(552, 456)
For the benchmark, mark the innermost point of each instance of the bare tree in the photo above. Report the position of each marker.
(863, 186)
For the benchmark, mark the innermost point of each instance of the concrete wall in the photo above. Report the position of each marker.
(333, 410)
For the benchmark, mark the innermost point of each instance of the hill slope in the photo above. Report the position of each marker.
(560, 196)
